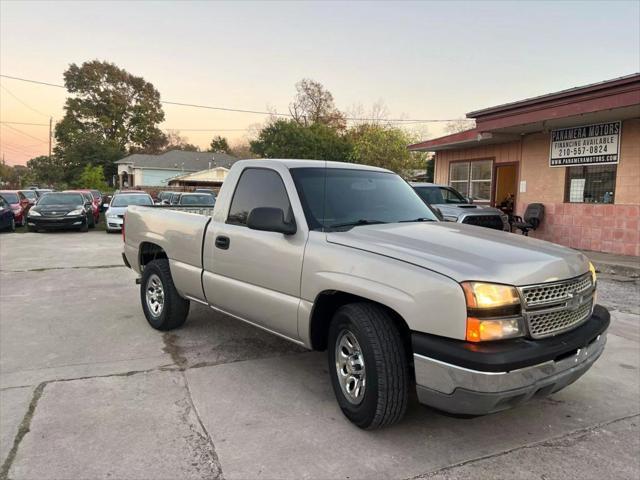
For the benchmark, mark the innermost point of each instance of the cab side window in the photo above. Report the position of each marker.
(258, 187)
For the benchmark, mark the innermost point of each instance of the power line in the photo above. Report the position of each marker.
(14, 150)
(257, 112)
(23, 102)
(26, 123)
(25, 133)
(32, 81)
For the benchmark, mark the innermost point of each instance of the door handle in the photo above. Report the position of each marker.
(222, 242)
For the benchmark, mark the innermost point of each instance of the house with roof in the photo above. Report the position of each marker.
(575, 152)
(145, 170)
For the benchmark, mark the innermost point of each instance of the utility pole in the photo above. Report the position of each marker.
(50, 123)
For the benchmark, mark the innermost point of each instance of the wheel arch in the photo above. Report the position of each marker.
(328, 302)
(149, 251)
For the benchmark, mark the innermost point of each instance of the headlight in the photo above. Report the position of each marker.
(493, 312)
(34, 213)
(592, 269)
(489, 295)
(78, 211)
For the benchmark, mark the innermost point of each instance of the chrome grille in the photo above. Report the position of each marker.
(556, 307)
(554, 322)
(555, 292)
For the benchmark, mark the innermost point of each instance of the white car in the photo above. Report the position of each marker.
(118, 206)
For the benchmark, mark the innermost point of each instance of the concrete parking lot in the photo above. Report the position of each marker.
(89, 390)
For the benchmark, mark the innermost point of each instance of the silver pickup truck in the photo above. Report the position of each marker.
(348, 259)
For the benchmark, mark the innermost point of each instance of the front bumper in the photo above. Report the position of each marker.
(476, 379)
(66, 221)
(114, 223)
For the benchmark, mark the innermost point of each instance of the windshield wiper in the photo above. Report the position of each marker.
(357, 223)
(419, 219)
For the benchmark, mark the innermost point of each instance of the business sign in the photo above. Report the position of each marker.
(586, 145)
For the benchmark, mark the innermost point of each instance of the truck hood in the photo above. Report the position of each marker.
(465, 252)
(455, 210)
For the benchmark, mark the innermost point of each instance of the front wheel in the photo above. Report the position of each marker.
(368, 366)
(163, 307)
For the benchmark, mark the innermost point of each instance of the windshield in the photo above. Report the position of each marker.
(204, 199)
(30, 194)
(10, 197)
(356, 197)
(439, 195)
(135, 199)
(61, 199)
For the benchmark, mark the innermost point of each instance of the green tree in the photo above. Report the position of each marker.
(385, 147)
(289, 139)
(219, 144)
(109, 108)
(92, 177)
(46, 171)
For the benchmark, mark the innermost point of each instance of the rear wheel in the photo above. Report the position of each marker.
(163, 307)
(368, 366)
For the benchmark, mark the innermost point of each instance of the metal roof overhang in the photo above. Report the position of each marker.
(618, 99)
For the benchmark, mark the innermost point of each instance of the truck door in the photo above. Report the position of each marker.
(253, 274)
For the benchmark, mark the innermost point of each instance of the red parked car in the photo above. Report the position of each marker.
(31, 195)
(19, 205)
(95, 205)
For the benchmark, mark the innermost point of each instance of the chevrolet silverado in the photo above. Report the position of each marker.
(347, 259)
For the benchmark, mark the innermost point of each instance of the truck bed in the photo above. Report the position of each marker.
(168, 227)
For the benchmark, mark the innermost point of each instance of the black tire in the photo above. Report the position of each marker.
(84, 227)
(12, 226)
(386, 391)
(175, 309)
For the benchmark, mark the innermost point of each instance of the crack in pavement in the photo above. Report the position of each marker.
(215, 461)
(179, 365)
(23, 429)
(560, 440)
(46, 269)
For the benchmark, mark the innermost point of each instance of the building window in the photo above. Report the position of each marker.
(590, 184)
(472, 179)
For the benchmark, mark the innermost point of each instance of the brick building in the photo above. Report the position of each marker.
(576, 151)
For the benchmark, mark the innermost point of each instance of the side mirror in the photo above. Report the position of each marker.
(469, 199)
(105, 205)
(270, 219)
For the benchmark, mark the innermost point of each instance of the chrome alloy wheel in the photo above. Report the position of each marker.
(350, 367)
(155, 295)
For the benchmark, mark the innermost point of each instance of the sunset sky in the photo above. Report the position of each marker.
(425, 60)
